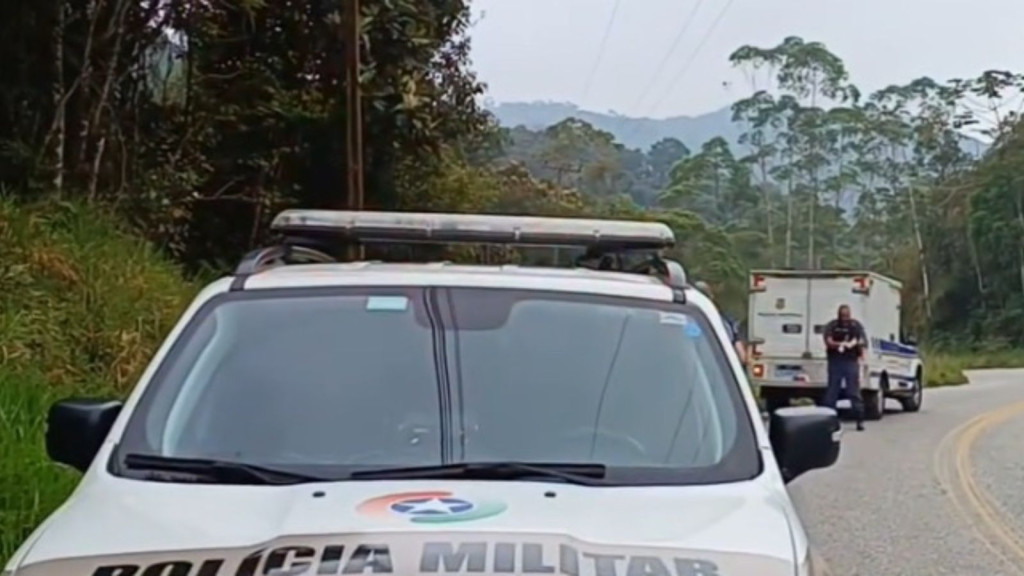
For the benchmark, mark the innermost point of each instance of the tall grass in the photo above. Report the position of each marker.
(946, 368)
(82, 306)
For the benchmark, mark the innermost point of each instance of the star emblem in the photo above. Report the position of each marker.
(431, 506)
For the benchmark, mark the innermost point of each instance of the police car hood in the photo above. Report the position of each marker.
(134, 528)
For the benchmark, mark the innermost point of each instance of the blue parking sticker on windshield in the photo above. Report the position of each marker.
(387, 303)
(692, 330)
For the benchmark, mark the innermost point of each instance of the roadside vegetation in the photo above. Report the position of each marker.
(117, 137)
(947, 368)
(83, 304)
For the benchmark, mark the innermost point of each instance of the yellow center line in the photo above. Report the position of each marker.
(954, 469)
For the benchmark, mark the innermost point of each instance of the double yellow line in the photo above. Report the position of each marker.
(952, 465)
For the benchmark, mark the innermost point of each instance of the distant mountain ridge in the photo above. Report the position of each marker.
(638, 133)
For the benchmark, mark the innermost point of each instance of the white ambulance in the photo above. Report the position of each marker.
(788, 311)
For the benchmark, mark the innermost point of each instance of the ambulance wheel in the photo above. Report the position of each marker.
(874, 404)
(913, 402)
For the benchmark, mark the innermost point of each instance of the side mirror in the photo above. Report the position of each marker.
(910, 340)
(804, 438)
(76, 428)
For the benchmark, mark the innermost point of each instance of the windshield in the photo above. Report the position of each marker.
(348, 380)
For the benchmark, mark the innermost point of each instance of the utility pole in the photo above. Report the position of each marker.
(354, 112)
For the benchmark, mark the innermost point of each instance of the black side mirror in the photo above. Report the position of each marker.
(76, 428)
(804, 438)
(910, 340)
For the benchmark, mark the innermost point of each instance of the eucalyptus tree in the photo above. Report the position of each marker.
(870, 215)
(760, 115)
(810, 78)
(842, 132)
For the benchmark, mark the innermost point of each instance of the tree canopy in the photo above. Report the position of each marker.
(198, 121)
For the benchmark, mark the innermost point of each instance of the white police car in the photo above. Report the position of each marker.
(368, 418)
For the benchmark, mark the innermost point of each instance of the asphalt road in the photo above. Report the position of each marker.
(940, 492)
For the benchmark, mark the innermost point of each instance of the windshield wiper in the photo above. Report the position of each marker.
(584, 474)
(215, 471)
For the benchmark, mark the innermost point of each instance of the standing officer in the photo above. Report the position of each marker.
(844, 344)
(730, 326)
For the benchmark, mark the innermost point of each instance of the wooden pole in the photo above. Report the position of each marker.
(354, 113)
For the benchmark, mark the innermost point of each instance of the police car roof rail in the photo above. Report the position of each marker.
(309, 235)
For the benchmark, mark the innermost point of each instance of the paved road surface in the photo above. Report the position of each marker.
(936, 493)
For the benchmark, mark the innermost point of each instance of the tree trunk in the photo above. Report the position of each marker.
(837, 205)
(919, 241)
(975, 260)
(59, 105)
(722, 218)
(812, 205)
(1020, 241)
(811, 262)
(769, 223)
(862, 250)
(789, 226)
(85, 79)
(121, 10)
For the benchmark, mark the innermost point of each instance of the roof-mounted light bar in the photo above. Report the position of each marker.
(441, 228)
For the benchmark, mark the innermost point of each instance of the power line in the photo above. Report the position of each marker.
(675, 79)
(600, 50)
(693, 56)
(669, 52)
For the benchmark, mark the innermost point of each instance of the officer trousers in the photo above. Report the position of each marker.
(840, 371)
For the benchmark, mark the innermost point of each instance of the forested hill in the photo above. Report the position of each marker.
(639, 133)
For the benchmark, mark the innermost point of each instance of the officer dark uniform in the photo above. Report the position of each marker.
(844, 345)
(730, 326)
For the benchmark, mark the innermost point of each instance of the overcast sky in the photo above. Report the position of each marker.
(545, 49)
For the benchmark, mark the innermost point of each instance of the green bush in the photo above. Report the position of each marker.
(83, 305)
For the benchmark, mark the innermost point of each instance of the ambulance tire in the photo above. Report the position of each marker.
(913, 402)
(874, 404)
